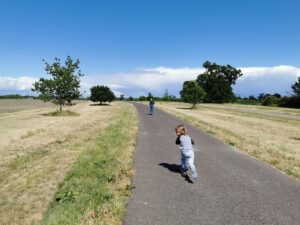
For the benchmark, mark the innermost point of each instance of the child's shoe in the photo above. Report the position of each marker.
(194, 174)
(183, 172)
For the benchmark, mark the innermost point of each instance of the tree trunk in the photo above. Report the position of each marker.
(60, 107)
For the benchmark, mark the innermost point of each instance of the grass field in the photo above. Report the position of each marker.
(14, 105)
(39, 154)
(267, 133)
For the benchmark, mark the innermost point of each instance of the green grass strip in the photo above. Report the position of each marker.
(62, 113)
(94, 191)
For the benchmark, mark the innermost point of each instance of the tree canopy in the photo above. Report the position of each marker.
(192, 93)
(217, 81)
(64, 87)
(102, 94)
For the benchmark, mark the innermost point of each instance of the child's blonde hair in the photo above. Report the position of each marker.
(181, 130)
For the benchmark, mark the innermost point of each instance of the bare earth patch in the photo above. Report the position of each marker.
(271, 135)
(36, 152)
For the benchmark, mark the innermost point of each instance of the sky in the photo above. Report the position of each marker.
(141, 46)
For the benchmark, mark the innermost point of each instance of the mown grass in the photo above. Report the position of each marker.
(272, 138)
(96, 188)
(22, 161)
(36, 153)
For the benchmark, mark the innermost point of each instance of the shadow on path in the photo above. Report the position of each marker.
(175, 169)
(184, 108)
(98, 104)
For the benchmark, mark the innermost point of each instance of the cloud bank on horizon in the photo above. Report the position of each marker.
(255, 80)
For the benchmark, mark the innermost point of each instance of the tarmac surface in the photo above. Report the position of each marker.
(232, 188)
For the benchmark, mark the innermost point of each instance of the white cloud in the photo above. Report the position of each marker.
(156, 79)
(277, 79)
(144, 80)
(282, 70)
(17, 83)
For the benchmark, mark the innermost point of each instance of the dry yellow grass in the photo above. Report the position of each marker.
(36, 151)
(14, 105)
(272, 135)
(99, 180)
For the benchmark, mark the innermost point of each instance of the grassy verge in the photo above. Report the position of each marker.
(96, 188)
(63, 113)
(271, 138)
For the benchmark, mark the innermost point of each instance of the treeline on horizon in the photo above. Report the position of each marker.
(262, 99)
(17, 96)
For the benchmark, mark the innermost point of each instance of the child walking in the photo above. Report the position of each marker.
(185, 143)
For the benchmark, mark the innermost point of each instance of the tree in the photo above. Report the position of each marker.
(150, 96)
(102, 94)
(142, 98)
(64, 87)
(192, 93)
(296, 87)
(217, 81)
(121, 98)
(270, 101)
(251, 97)
(277, 95)
(166, 95)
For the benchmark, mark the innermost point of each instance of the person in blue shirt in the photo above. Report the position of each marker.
(151, 105)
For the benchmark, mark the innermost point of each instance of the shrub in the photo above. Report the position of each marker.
(270, 101)
(291, 102)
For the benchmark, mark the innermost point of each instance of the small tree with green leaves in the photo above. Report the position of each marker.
(102, 94)
(192, 93)
(64, 87)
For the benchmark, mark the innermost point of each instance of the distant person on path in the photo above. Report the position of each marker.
(151, 104)
(185, 143)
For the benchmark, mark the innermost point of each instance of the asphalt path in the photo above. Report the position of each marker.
(233, 188)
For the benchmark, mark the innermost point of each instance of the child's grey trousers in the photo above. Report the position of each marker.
(187, 159)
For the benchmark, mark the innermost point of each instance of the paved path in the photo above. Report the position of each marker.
(233, 188)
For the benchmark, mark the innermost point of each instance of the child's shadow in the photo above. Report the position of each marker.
(175, 169)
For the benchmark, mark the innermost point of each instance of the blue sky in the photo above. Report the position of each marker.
(132, 39)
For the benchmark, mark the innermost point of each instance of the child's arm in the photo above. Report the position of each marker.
(177, 140)
(192, 141)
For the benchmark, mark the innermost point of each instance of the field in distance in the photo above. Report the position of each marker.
(14, 105)
(271, 134)
(37, 151)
